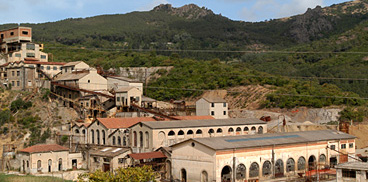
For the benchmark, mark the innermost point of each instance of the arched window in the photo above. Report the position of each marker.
(113, 140)
(124, 141)
(190, 132)
(27, 164)
(103, 137)
(204, 176)
(119, 141)
(93, 136)
(253, 128)
(171, 133)
(211, 131)
(238, 130)
(240, 172)
(39, 165)
(83, 131)
(290, 165)
(147, 139)
(60, 166)
(312, 163)
(254, 170)
(246, 128)
(199, 132)
(230, 130)
(322, 159)
(279, 168)
(141, 139)
(50, 165)
(260, 130)
(98, 136)
(219, 130)
(266, 168)
(76, 131)
(135, 138)
(301, 163)
(183, 175)
(226, 174)
(181, 132)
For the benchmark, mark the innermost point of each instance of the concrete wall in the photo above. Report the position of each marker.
(125, 97)
(93, 81)
(194, 159)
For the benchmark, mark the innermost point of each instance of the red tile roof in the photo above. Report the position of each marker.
(44, 148)
(148, 155)
(46, 63)
(112, 123)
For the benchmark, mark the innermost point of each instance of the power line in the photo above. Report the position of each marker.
(206, 50)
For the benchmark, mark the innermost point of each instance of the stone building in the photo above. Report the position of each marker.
(149, 136)
(44, 158)
(257, 157)
(108, 158)
(213, 106)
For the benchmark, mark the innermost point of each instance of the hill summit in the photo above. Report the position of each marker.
(189, 11)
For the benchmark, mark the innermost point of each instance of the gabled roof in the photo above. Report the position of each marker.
(72, 63)
(269, 139)
(148, 155)
(44, 148)
(71, 76)
(353, 165)
(202, 123)
(193, 117)
(81, 125)
(214, 99)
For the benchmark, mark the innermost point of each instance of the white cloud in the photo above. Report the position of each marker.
(152, 4)
(265, 9)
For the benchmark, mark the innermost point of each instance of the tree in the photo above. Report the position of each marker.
(131, 174)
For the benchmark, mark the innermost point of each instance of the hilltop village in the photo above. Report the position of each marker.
(119, 127)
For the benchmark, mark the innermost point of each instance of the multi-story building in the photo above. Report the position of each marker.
(213, 106)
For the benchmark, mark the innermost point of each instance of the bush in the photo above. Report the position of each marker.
(64, 139)
(20, 104)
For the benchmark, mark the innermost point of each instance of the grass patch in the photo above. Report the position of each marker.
(29, 178)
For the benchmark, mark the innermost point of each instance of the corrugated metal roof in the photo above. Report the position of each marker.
(71, 76)
(108, 151)
(353, 165)
(72, 63)
(270, 139)
(202, 123)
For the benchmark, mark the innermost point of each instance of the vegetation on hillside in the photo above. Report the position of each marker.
(29, 178)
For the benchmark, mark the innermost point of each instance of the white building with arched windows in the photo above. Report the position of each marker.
(259, 157)
(149, 136)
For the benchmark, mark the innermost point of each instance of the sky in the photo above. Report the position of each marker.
(40, 11)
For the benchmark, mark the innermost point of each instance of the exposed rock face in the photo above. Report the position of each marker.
(310, 25)
(190, 11)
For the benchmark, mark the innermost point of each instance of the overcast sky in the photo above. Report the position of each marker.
(39, 11)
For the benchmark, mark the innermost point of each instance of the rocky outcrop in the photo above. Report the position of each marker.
(190, 11)
(311, 25)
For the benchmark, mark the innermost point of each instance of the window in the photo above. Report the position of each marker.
(48, 67)
(13, 83)
(121, 160)
(219, 130)
(17, 83)
(224, 104)
(240, 172)
(106, 159)
(211, 131)
(18, 73)
(41, 67)
(190, 132)
(171, 133)
(290, 165)
(95, 159)
(351, 145)
(301, 163)
(30, 55)
(18, 55)
(246, 129)
(343, 146)
(2, 36)
(332, 147)
(181, 132)
(89, 81)
(30, 47)
(31, 66)
(224, 113)
(25, 32)
(212, 113)
(346, 173)
(199, 132)
(230, 130)
(254, 170)
(13, 73)
(238, 129)
(119, 140)
(266, 168)
(10, 54)
(11, 33)
(212, 104)
(43, 56)
(54, 68)
(118, 99)
(113, 140)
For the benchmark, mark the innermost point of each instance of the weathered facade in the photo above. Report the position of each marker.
(108, 158)
(149, 136)
(214, 106)
(352, 171)
(257, 157)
